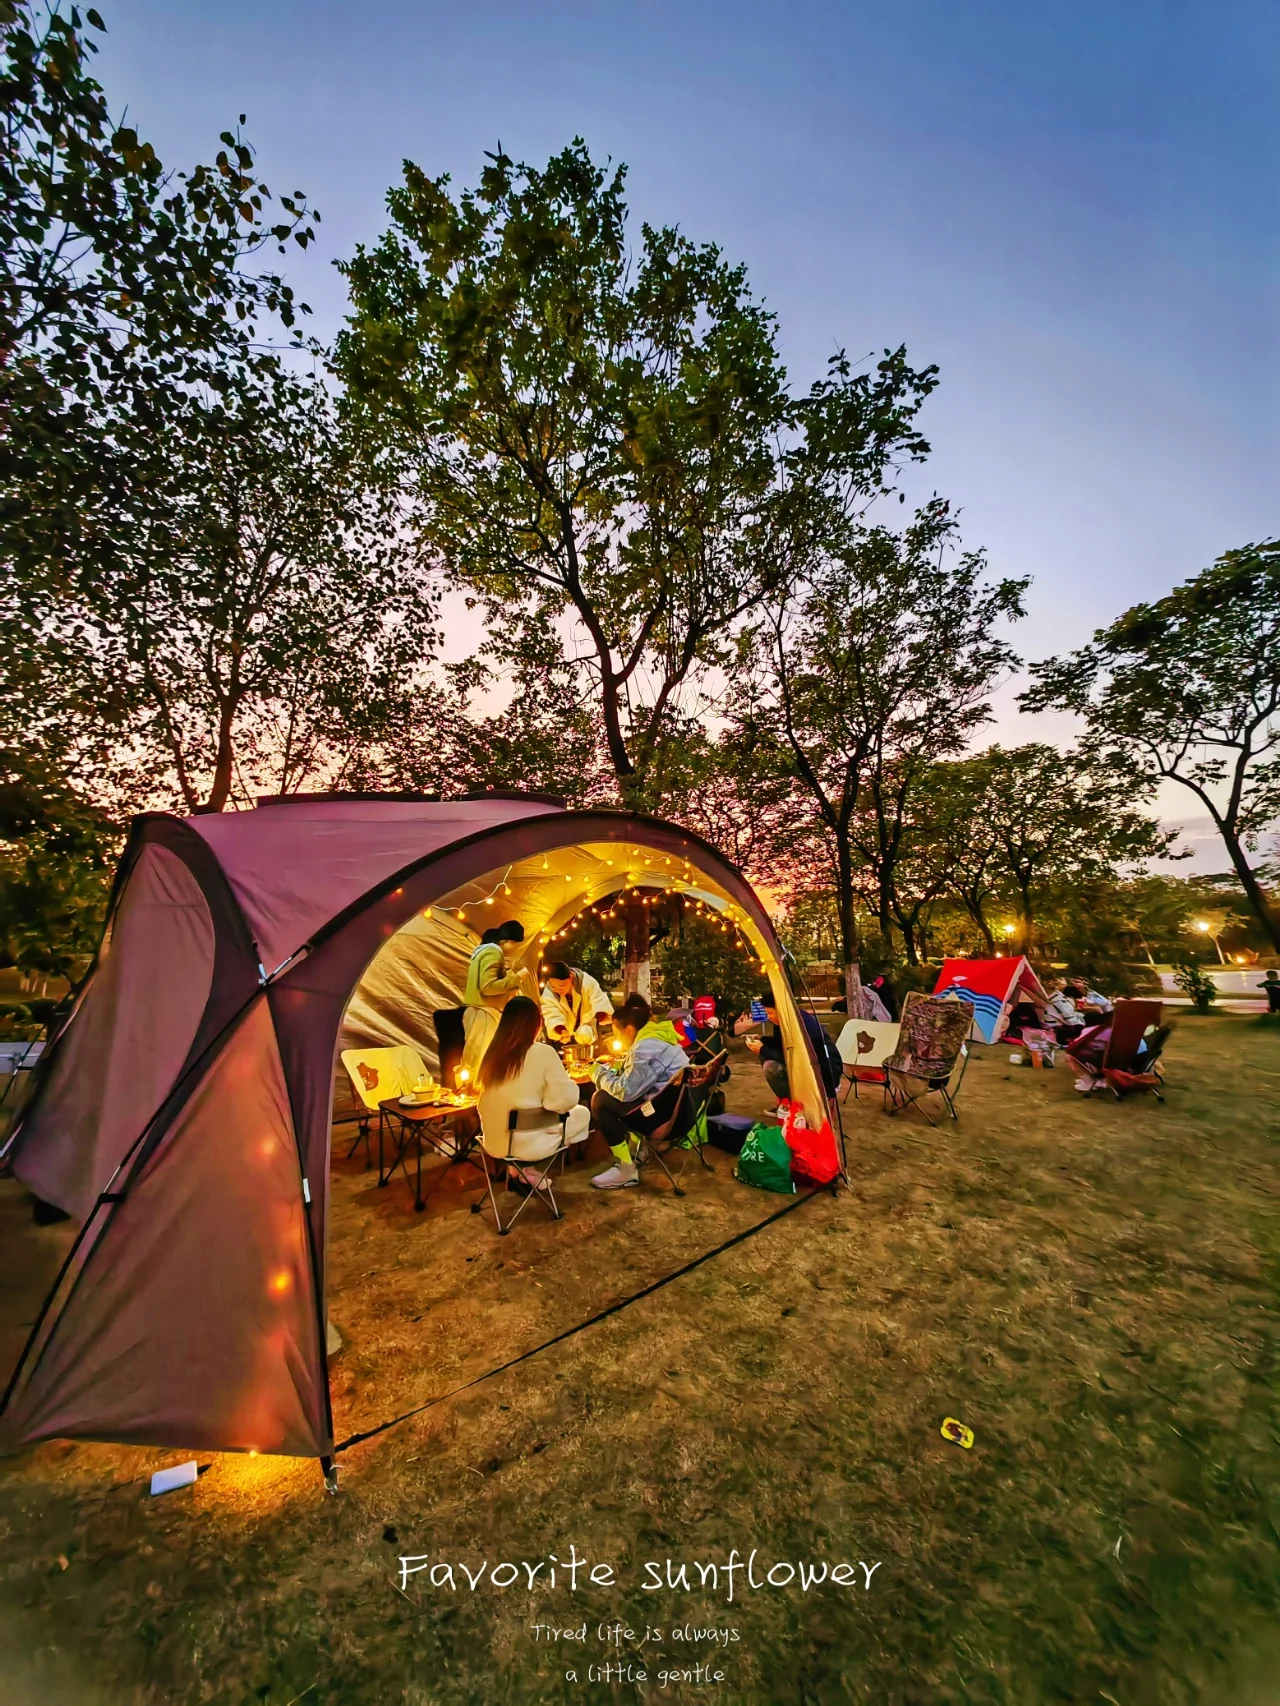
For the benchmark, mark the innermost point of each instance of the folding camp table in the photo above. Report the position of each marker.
(416, 1127)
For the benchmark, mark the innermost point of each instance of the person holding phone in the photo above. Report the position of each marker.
(769, 1052)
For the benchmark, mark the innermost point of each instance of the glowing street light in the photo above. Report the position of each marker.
(1206, 929)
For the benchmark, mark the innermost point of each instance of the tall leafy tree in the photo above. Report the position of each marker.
(881, 664)
(956, 841)
(235, 611)
(1187, 689)
(598, 435)
(1057, 819)
(128, 299)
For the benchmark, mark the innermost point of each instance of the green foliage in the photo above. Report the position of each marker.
(1060, 819)
(697, 958)
(1188, 688)
(235, 612)
(196, 594)
(57, 854)
(1194, 982)
(600, 435)
(880, 665)
(102, 251)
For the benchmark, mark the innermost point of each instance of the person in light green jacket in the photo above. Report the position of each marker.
(663, 1029)
(491, 983)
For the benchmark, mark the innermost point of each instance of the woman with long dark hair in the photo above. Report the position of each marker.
(521, 1074)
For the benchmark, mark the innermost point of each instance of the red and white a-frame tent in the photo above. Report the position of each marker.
(991, 987)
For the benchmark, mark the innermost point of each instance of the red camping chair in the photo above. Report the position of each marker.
(1131, 1047)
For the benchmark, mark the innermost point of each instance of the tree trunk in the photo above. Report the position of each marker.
(1263, 911)
(635, 975)
(848, 927)
(1028, 921)
(223, 768)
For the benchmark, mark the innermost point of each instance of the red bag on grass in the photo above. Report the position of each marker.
(815, 1159)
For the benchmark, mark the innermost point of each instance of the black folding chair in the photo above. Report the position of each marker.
(701, 1085)
(652, 1145)
(526, 1119)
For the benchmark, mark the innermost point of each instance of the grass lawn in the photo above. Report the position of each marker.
(1090, 1286)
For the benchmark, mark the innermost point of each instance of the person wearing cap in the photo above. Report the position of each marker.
(769, 1052)
(571, 998)
(491, 983)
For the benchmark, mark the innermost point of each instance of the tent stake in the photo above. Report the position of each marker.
(330, 1471)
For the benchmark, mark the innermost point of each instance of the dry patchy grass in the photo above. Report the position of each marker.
(1091, 1286)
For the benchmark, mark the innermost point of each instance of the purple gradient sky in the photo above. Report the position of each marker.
(1070, 206)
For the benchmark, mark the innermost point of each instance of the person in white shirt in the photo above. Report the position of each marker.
(522, 1074)
(1060, 1008)
(571, 999)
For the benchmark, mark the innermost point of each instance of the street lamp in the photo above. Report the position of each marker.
(1206, 929)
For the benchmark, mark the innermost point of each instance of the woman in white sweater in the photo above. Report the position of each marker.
(522, 1074)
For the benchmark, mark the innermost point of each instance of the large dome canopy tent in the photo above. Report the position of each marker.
(184, 1114)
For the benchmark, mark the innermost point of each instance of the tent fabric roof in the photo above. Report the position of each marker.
(296, 864)
(208, 1158)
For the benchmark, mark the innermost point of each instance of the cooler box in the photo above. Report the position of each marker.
(729, 1131)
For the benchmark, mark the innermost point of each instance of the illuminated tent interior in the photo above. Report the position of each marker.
(184, 1111)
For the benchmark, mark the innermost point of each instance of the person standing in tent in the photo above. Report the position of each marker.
(571, 998)
(490, 985)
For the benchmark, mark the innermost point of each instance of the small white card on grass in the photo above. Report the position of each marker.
(181, 1475)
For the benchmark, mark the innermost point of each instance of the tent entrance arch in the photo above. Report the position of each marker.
(423, 966)
(191, 1310)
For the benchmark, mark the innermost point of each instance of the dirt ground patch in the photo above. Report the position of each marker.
(1089, 1285)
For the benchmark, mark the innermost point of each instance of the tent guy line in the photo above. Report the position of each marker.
(591, 1321)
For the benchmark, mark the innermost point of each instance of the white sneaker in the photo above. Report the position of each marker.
(616, 1179)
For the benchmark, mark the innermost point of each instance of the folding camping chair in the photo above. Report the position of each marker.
(1131, 1057)
(701, 1083)
(651, 1146)
(527, 1119)
(377, 1074)
(863, 1046)
(931, 1054)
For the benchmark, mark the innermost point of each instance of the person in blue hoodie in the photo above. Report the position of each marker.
(638, 1094)
(769, 1051)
